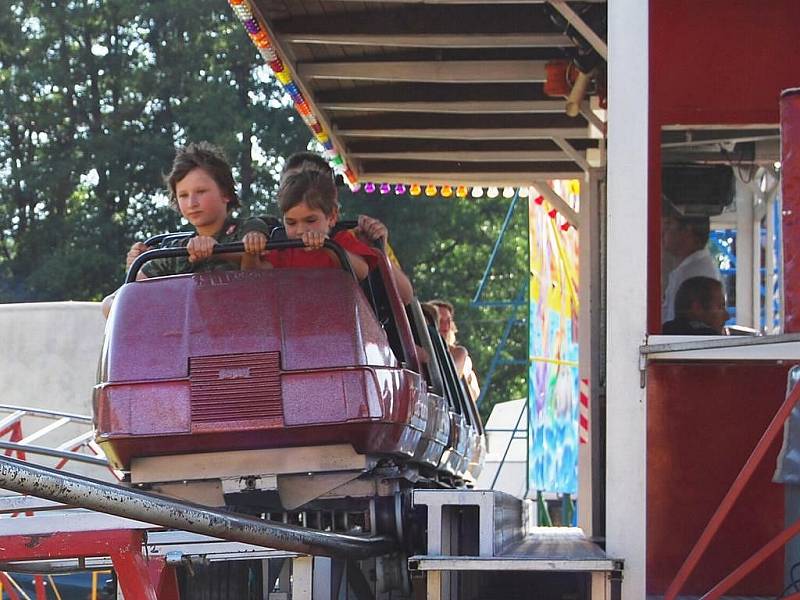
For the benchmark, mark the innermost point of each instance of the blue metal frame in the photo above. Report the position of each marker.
(476, 300)
(521, 300)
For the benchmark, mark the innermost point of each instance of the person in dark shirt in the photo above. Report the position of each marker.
(699, 308)
(202, 189)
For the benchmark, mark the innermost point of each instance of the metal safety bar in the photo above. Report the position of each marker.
(235, 247)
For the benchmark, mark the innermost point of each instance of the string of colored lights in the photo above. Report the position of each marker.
(461, 191)
(260, 38)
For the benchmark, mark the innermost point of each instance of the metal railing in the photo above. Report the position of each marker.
(18, 439)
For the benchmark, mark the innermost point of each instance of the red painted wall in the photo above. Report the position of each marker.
(714, 62)
(711, 62)
(697, 444)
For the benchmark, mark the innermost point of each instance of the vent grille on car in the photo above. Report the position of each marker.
(236, 387)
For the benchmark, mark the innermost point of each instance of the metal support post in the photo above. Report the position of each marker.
(163, 577)
(589, 297)
(744, 255)
(628, 168)
(123, 546)
(302, 577)
(327, 578)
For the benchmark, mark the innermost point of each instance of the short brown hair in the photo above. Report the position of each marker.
(210, 158)
(305, 161)
(311, 186)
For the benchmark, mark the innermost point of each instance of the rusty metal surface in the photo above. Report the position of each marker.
(134, 504)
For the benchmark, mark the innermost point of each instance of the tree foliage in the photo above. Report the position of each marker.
(94, 97)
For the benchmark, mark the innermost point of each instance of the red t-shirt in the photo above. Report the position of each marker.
(300, 258)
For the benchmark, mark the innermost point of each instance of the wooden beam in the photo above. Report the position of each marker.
(580, 25)
(434, 40)
(395, 92)
(485, 19)
(467, 156)
(477, 71)
(505, 133)
(592, 118)
(573, 154)
(457, 106)
(557, 201)
(476, 178)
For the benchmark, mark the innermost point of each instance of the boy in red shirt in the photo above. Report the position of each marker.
(309, 203)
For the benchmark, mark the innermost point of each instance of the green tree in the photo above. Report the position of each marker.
(95, 95)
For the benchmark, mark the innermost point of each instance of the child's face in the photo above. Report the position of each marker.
(715, 314)
(201, 201)
(301, 219)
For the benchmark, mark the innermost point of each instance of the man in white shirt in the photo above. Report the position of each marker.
(686, 239)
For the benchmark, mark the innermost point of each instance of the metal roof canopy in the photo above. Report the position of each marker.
(437, 91)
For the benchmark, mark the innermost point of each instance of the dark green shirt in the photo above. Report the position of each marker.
(232, 231)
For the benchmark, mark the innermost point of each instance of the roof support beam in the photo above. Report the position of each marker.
(456, 106)
(572, 153)
(433, 40)
(465, 134)
(468, 156)
(590, 116)
(476, 71)
(557, 202)
(587, 32)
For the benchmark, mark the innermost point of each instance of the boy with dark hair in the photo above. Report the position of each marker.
(368, 228)
(305, 161)
(308, 200)
(202, 189)
(699, 308)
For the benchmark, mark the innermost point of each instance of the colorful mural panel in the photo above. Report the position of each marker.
(553, 385)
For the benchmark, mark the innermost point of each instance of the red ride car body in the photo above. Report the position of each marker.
(282, 358)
